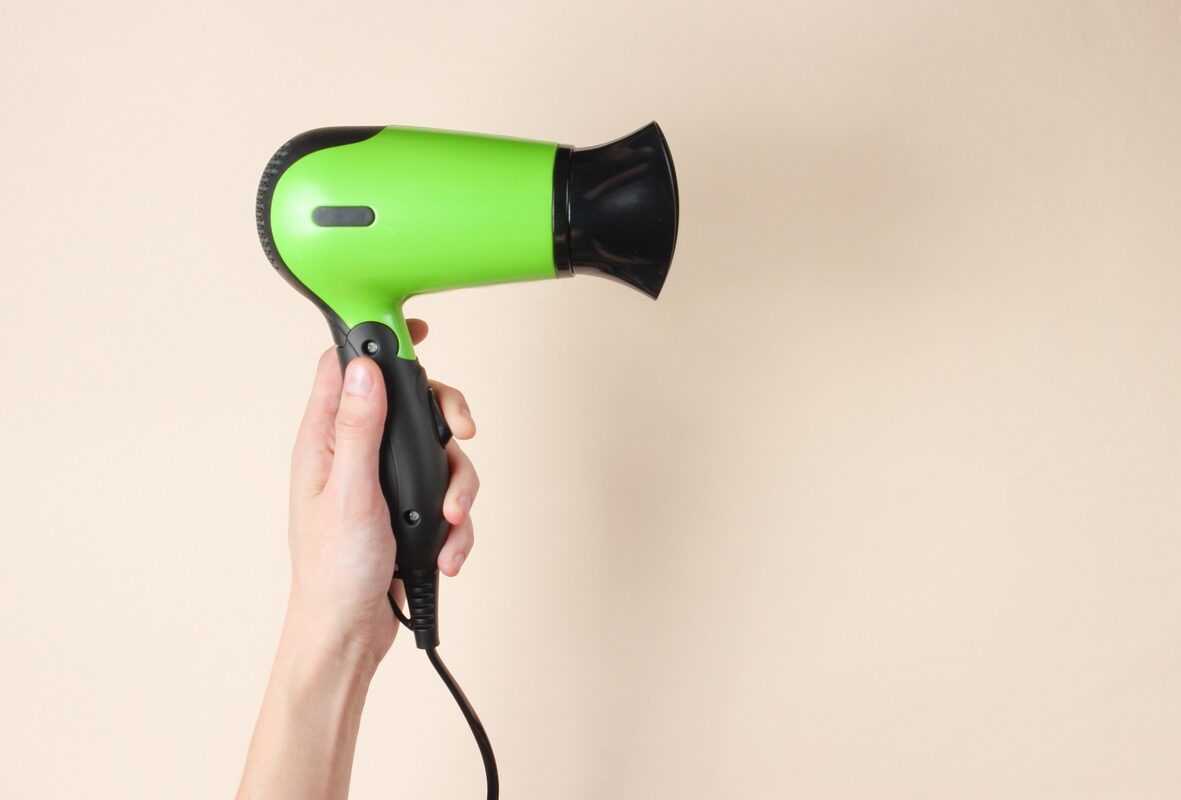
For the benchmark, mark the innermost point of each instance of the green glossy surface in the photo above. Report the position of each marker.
(451, 210)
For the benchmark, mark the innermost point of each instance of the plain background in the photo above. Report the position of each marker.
(882, 499)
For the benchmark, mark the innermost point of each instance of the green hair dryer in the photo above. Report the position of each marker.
(360, 219)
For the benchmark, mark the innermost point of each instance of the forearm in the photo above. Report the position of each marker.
(306, 734)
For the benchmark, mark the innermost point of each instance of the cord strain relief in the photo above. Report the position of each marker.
(422, 593)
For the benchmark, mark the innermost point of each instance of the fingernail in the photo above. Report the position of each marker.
(357, 380)
(467, 412)
(465, 502)
(458, 561)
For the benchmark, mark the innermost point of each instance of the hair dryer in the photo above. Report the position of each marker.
(359, 219)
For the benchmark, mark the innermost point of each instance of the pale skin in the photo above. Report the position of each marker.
(339, 624)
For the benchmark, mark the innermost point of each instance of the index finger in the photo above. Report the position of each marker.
(418, 330)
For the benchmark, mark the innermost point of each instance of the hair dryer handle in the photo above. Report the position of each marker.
(413, 468)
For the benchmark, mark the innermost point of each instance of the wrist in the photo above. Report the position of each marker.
(306, 735)
(323, 649)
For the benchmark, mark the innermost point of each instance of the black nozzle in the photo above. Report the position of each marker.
(615, 210)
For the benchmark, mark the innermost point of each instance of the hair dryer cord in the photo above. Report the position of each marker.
(491, 777)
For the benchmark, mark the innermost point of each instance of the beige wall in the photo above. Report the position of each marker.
(881, 500)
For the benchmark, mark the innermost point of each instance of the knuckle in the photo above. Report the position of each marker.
(449, 395)
(353, 421)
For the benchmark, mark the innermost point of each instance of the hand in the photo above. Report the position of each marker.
(342, 546)
(339, 624)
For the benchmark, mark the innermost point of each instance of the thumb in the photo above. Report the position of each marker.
(360, 421)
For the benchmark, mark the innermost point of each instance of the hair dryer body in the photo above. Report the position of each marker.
(361, 219)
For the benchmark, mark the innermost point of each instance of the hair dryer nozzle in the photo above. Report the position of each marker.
(620, 210)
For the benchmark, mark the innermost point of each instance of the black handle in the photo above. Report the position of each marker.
(413, 469)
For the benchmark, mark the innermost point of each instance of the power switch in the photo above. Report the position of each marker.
(441, 427)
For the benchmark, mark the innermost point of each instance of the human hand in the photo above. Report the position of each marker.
(342, 545)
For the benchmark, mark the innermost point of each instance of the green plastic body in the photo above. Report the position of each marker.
(450, 210)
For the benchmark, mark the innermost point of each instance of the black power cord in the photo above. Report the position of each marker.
(490, 775)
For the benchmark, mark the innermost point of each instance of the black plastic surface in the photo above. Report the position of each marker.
(413, 469)
(442, 429)
(621, 210)
(561, 214)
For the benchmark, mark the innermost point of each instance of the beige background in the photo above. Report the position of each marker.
(881, 500)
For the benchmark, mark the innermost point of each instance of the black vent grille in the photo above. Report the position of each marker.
(262, 204)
